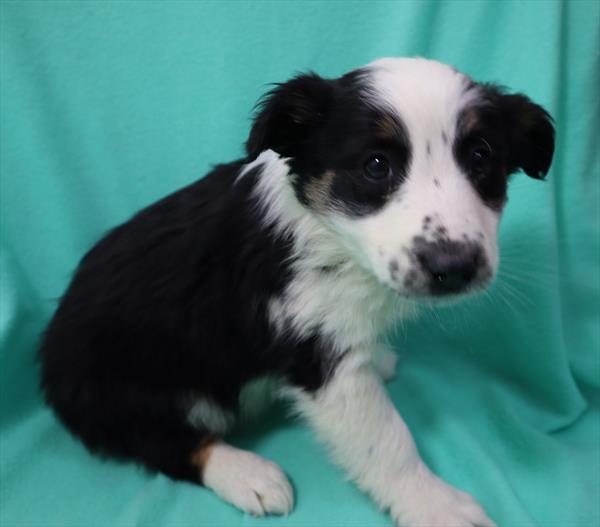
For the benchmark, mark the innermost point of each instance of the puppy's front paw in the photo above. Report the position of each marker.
(427, 501)
(248, 481)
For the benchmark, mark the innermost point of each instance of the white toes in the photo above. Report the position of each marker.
(273, 490)
(247, 501)
(430, 502)
(248, 481)
(276, 499)
(479, 518)
(471, 510)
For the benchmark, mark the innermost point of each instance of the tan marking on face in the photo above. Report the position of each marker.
(469, 119)
(387, 128)
(318, 191)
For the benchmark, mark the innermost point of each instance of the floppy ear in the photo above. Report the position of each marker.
(530, 132)
(288, 114)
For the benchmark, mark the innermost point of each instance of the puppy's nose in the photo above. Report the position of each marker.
(450, 266)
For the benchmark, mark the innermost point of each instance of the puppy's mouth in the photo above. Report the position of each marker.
(439, 295)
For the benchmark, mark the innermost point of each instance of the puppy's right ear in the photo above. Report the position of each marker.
(289, 114)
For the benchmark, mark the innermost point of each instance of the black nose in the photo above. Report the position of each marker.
(451, 266)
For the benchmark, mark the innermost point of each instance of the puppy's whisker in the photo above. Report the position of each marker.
(514, 294)
(527, 280)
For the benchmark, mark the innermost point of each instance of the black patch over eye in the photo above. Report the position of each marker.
(377, 168)
(480, 157)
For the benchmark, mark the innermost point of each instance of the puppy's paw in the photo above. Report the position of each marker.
(384, 362)
(427, 501)
(248, 481)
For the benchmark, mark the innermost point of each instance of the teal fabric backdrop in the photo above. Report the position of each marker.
(107, 106)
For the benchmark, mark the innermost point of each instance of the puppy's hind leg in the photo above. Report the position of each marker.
(248, 481)
(173, 446)
(132, 422)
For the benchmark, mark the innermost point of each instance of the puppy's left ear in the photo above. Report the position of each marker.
(289, 114)
(530, 132)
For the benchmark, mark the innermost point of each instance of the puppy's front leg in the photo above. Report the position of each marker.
(353, 415)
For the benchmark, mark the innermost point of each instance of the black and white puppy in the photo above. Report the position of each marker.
(360, 198)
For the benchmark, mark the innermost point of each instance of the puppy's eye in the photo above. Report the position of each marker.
(377, 168)
(479, 158)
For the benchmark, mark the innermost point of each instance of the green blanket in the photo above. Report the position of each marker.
(107, 106)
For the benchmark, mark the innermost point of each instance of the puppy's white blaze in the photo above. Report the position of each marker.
(428, 95)
(389, 233)
(453, 200)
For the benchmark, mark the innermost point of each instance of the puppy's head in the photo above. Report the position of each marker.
(407, 161)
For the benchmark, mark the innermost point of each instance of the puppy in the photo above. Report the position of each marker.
(360, 198)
